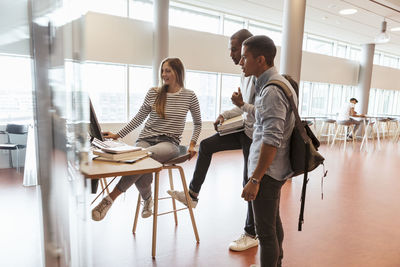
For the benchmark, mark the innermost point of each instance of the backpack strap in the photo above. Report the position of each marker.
(298, 124)
(306, 139)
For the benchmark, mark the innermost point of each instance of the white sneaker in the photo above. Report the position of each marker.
(180, 196)
(244, 242)
(100, 211)
(147, 207)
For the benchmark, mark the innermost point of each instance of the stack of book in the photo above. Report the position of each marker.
(126, 153)
(232, 125)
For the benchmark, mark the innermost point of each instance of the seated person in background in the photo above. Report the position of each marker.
(167, 107)
(347, 111)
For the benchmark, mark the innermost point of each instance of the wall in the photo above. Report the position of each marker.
(132, 44)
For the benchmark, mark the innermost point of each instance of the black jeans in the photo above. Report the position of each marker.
(268, 222)
(217, 143)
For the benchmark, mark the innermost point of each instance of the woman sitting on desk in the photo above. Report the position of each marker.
(166, 107)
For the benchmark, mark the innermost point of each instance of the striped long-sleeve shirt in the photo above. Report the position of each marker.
(176, 108)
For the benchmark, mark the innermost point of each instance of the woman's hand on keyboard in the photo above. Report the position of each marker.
(110, 135)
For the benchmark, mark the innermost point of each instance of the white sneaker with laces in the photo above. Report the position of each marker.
(100, 211)
(147, 207)
(180, 196)
(244, 242)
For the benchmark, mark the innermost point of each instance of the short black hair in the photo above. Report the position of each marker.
(353, 99)
(241, 35)
(261, 45)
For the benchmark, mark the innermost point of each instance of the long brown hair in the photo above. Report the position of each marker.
(179, 71)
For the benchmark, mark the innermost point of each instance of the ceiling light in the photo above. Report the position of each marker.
(396, 29)
(349, 11)
(383, 36)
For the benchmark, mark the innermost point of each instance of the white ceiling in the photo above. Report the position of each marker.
(322, 17)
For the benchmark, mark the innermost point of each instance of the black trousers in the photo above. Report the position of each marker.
(268, 221)
(217, 143)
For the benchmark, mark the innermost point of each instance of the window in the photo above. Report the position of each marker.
(15, 89)
(232, 25)
(355, 53)
(319, 101)
(305, 95)
(107, 87)
(341, 50)
(257, 28)
(141, 10)
(205, 86)
(320, 46)
(390, 61)
(229, 84)
(140, 81)
(193, 18)
(115, 7)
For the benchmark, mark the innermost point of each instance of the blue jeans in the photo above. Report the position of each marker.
(163, 149)
(268, 221)
(217, 143)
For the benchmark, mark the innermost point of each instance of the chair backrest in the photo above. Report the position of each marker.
(16, 129)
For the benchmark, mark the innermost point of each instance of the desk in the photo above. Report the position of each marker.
(368, 124)
(102, 169)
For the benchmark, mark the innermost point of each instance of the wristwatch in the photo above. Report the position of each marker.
(254, 180)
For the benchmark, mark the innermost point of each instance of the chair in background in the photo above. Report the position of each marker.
(344, 129)
(327, 130)
(13, 129)
(170, 165)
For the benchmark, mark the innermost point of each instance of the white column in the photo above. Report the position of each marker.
(160, 36)
(364, 76)
(292, 37)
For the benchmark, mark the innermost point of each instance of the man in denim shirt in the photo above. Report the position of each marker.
(269, 164)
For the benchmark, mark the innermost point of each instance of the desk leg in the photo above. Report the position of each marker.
(155, 214)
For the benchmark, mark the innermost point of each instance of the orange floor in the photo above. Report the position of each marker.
(357, 223)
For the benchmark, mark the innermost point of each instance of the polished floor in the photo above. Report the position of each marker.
(356, 224)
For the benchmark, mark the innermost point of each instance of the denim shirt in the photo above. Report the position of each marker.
(274, 125)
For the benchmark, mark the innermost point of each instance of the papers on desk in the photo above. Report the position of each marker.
(128, 159)
(119, 156)
(114, 147)
(232, 125)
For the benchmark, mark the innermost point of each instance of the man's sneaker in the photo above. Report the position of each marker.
(244, 242)
(180, 196)
(100, 211)
(147, 208)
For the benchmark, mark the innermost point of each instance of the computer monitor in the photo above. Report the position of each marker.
(94, 132)
(94, 127)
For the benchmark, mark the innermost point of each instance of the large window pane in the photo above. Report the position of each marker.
(140, 81)
(205, 87)
(193, 18)
(355, 53)
(106, 84)
(319, 46)
(341, 50)
(114, 7)
(319, 102)
(336, 99)
(232, 25)
(275, 34)
(141, 10)
(390, 61)
(229, 84)
(305, 93)
(15, 89)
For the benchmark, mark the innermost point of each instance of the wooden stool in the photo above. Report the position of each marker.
(330, 125)
(342, 131)
(170, 165)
